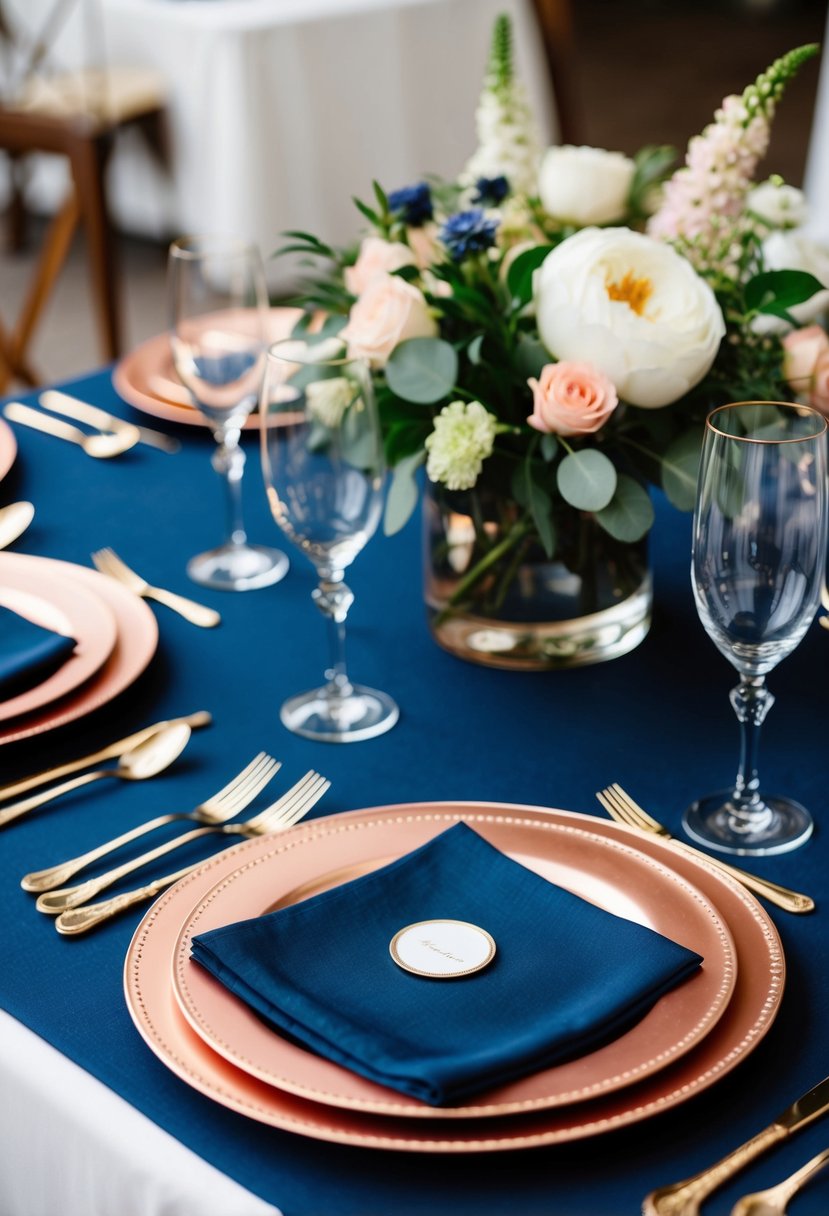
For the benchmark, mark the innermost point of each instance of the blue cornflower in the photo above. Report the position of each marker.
(468, 232)
(491, 190)
(414, 203)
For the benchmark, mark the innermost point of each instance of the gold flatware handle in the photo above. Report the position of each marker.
(26, 416)
(684, 1198)
(112, 750)
(14, 520)
(17, 809)
(781, 897)
(196, 614)
(83, 411)
(78, 920)
(54, 902)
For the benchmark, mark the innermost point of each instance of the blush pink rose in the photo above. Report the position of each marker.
(819, 396)
(388, 312)
(571, 399)
(376, 258)
(802, 349)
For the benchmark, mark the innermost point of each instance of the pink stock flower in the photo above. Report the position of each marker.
(571, 399)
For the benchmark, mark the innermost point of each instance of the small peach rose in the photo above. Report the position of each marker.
(819, 396)
(571, 399)
(388, 312)
(802, 348)
(376, 258)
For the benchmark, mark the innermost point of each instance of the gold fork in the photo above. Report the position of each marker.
(53, 902)
(221, 806)
(621, 807)
(283, 814)
(110, 563)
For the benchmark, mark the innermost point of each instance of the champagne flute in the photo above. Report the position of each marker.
(759, 553)
(322, 458)
(218, 296)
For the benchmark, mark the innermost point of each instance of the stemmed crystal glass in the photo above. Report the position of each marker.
(217, 299)
(759, 554)
(322, 458)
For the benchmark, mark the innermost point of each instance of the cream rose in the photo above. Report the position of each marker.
(376, 258)
(794, 251)
(571, 399)
(585, 185)
(633, 308)
(389, 311)
(778, 204)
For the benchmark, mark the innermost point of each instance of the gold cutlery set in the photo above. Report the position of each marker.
(111, 437)
(140, 756)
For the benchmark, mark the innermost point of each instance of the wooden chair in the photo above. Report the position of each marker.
(76, 115)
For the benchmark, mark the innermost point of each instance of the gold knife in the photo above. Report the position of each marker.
(82, 411)
(684, 1198)
(201, 718)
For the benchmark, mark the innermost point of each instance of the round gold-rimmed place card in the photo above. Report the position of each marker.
(442, 949)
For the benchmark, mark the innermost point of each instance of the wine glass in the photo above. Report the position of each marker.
(759, 553)
(322, 457)
(217, 297)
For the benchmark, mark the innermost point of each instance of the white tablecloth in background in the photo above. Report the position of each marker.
(282, 110)
(68, 1144)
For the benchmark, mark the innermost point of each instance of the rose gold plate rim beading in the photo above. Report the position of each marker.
(746, 1021)
(608, 869)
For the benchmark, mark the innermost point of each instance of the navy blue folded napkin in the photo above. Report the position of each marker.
(28, 653)
(566, 977)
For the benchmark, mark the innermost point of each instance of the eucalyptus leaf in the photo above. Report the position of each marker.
(473, 351)
(520, 273)
(422, 370)
(401, 499)
(549, 446)
(530, 493)
(629, 514)
(587, 479)
(680, 466)
(530, 357)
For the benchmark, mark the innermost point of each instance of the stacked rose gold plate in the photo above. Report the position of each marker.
(147, 380)
(690, 1038)
(115, 632)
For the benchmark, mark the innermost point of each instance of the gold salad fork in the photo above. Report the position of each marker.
(219, 808)
(288, 810)
(108, 562)
(53, 902)
(621, 807)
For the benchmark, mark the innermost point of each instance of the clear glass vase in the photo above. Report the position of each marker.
(493, 596)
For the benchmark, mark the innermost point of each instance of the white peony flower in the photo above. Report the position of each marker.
(777, 204)
(632, 307)
(463, 437)
(585, 185)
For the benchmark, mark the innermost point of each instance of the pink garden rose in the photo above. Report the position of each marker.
(819, 396)
(571, 399)
(376, 258)
(389, 311)
(801, 350)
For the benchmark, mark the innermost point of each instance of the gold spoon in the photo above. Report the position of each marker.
(143, 761)
(14, 520)
(772, 1202)
(102, 446)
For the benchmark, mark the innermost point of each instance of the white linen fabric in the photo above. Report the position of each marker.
(69, 1144)
(282, 110)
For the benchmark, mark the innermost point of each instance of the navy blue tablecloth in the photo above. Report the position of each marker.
(658, 721)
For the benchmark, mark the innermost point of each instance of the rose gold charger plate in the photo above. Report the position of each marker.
(147, 380)
(135, 644)
(381, 834)
(606, 872)
(8, 448)
(66, 606)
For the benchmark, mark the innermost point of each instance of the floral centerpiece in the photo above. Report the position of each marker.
(547, 335)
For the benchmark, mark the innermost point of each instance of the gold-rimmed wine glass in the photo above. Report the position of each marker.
(759, 555)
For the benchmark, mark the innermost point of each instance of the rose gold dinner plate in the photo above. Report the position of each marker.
(66, 606)
(147, 379)
(325, 853)
(135, 645)
(8, 448)
(746, 1019)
